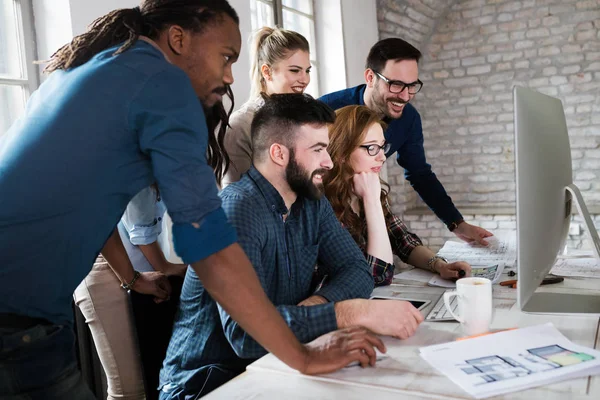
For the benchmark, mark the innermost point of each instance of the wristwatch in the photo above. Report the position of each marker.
(431, 262)
(453, 225)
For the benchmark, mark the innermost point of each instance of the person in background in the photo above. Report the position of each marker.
(392, 81)
(280, 64)
(285, 225)
(125, 113)
(105, 305)
(354, 189)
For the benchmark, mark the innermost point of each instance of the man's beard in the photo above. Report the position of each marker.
(300, 180)
(383, 105)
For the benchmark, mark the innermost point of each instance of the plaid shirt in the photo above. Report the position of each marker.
(403, 242)
(284, 255)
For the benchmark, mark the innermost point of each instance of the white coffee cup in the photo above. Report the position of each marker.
(474, 304)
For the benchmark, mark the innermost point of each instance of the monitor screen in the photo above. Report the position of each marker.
(545, 194)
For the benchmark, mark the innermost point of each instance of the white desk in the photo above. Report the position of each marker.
(415, 377)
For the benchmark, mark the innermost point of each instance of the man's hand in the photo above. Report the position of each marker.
(337, 349)
(313, 301)
(367, 184)
(171, 269)
(471, 233)
(155, 284)
(396, 318)
(450, 270)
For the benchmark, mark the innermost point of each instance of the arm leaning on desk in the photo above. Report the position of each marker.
(337, 253)
(408, 376)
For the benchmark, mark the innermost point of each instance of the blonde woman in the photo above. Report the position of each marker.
(280, 64)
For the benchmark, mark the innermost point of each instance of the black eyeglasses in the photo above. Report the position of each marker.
(374, 149)
(399, 86)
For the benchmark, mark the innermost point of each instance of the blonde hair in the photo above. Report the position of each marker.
(271, 45)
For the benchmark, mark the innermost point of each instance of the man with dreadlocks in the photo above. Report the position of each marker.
(118, 112)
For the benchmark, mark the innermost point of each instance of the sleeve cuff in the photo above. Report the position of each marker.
(322, 320)
(214, 234)
(333, 293)
(139, 238)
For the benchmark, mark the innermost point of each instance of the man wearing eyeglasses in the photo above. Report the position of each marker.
(392, 80)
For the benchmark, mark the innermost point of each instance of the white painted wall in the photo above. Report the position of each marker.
(359, 23)
(241, 69)
(331, 55)
(52, 20)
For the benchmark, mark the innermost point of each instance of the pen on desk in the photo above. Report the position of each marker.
(547, 281)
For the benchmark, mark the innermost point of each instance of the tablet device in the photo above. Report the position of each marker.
(418, 304)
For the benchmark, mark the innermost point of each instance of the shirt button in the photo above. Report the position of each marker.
(159, 218)
(273, 207)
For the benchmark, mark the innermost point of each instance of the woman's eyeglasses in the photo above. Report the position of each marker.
(374, 149)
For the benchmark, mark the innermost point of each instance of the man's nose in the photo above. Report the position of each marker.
(327, 162)
(228, 76)
(404, 95)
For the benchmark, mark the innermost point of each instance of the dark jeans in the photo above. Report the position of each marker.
(203, 383)
(154, 325)
(39, 363)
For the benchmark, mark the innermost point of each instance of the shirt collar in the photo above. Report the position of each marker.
(156, 46)
(271, 195)
(361, 94)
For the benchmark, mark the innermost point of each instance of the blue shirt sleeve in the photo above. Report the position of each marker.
(307, 323)
(172, 131)
(349, 274)
(140, 218)
(411, 157)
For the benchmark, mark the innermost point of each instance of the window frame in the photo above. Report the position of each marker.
(27, 50)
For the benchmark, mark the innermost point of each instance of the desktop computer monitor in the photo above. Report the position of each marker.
(545, 193)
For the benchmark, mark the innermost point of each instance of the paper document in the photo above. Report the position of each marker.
(415, 275)
(501, 249)
(491, 272)
(512, 360)
(577, 267)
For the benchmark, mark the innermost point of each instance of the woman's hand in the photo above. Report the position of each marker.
(451, 270)
(155, 284)
(171, 269)
(367, 185)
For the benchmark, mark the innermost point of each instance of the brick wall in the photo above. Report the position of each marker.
(474, 53)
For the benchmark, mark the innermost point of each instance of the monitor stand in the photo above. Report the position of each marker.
(587, 220)
(570, 303)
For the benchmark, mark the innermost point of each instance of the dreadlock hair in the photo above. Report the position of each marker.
(127, 24)
(217, 120)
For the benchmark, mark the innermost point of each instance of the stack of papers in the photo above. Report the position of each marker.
(501, 249)
(491, 272)
(577, 267)
(511, 361)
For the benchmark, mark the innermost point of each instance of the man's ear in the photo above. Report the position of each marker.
(279, 154)
(178, 40)
(265, 71)
(369, 77)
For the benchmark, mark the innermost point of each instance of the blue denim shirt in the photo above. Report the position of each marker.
(90, 139)
(284, 255)
(141, 224)
(405, 134)
(143, 216)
